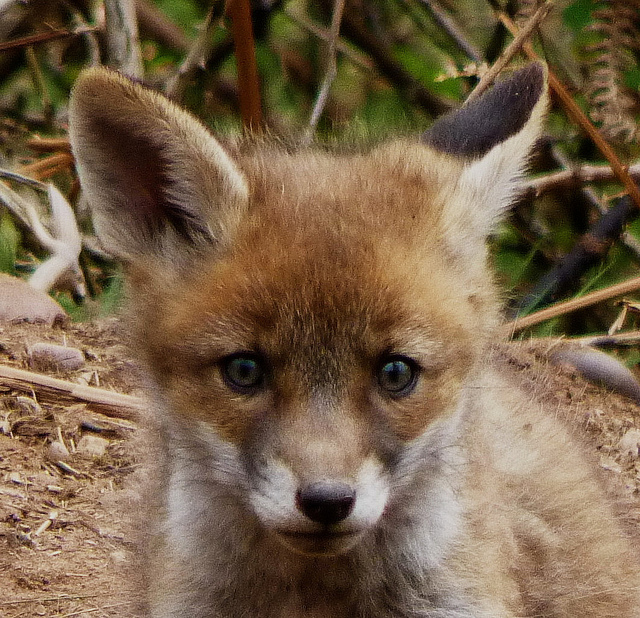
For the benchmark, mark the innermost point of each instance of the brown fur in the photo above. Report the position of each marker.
(468, 500)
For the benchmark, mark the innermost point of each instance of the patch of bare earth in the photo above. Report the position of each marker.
(65, 535)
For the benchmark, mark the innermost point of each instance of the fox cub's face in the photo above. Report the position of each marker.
(311, 321)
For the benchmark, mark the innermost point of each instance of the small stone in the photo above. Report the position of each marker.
(5, 427)
(92, 446)
(19, 302)
(49, 356)
(57, 451)
(629, 444)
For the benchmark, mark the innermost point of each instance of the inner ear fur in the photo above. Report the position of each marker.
(159, 183)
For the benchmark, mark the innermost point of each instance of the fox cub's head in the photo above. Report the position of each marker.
(312, 320)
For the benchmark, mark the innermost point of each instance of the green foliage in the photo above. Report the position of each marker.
(9, 243)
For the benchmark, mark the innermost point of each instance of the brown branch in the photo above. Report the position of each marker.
(49, 144)
(44, 37)
(578, 116)
(514, 47)
(245, 51)
(570, 178)
(618, 340)
(47, 167)
(571, 305)
(157, 26)
(110, 402)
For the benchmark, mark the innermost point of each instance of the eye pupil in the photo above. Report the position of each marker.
(397, 375)
(243, 371)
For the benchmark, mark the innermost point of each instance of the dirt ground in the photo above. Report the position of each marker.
(65, 536)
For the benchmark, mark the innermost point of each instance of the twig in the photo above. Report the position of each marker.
(448, 25)
(578, 116)
(91, 40)
(330, 74)
(153, 22)
(95, 609)
(245, 51)
(49, 144)
(198, 54)
(112, 403)
(617, 340)
(567, 179)
(59, 597)
(358, 60)
(571, 305)
(590, 249)
(514, 47)
(44, 37)
(123, 45)
(47, 167)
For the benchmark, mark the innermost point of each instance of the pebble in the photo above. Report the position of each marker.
(19, 302)
(47, 356)
(57, 451)
(92, 446)
(629, 443)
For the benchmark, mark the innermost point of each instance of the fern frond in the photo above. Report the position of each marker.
(617, 22)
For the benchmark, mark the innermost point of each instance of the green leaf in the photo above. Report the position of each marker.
(9, 241)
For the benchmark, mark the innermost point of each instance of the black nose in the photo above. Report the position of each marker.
(326, 502)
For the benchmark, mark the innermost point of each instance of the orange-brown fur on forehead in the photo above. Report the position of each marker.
(398, 191)
(331, 246)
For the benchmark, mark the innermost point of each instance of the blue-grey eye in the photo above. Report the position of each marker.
(243, 371)
(397, 375)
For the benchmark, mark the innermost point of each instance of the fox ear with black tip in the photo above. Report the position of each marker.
(494, 136)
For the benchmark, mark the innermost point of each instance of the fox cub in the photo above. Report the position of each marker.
(317, 329)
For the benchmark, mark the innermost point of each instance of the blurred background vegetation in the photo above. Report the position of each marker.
(399, 64)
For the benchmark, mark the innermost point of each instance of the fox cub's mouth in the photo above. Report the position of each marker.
(325, 542)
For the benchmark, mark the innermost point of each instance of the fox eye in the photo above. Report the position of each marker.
(243, 372)
(397, 375)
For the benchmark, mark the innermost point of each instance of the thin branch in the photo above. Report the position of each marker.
(198, 54)
(448, 25)
(571, 178)
(514, 47)
(155, 24)
(44, 37)
(48, 166)
(110, 402)
(49, 144)
(359, 60)
(617, 340)
(330, 74)
(571, 305)
(123, 44)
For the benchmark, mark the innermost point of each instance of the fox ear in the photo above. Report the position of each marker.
(494, 136)
(159, 183)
